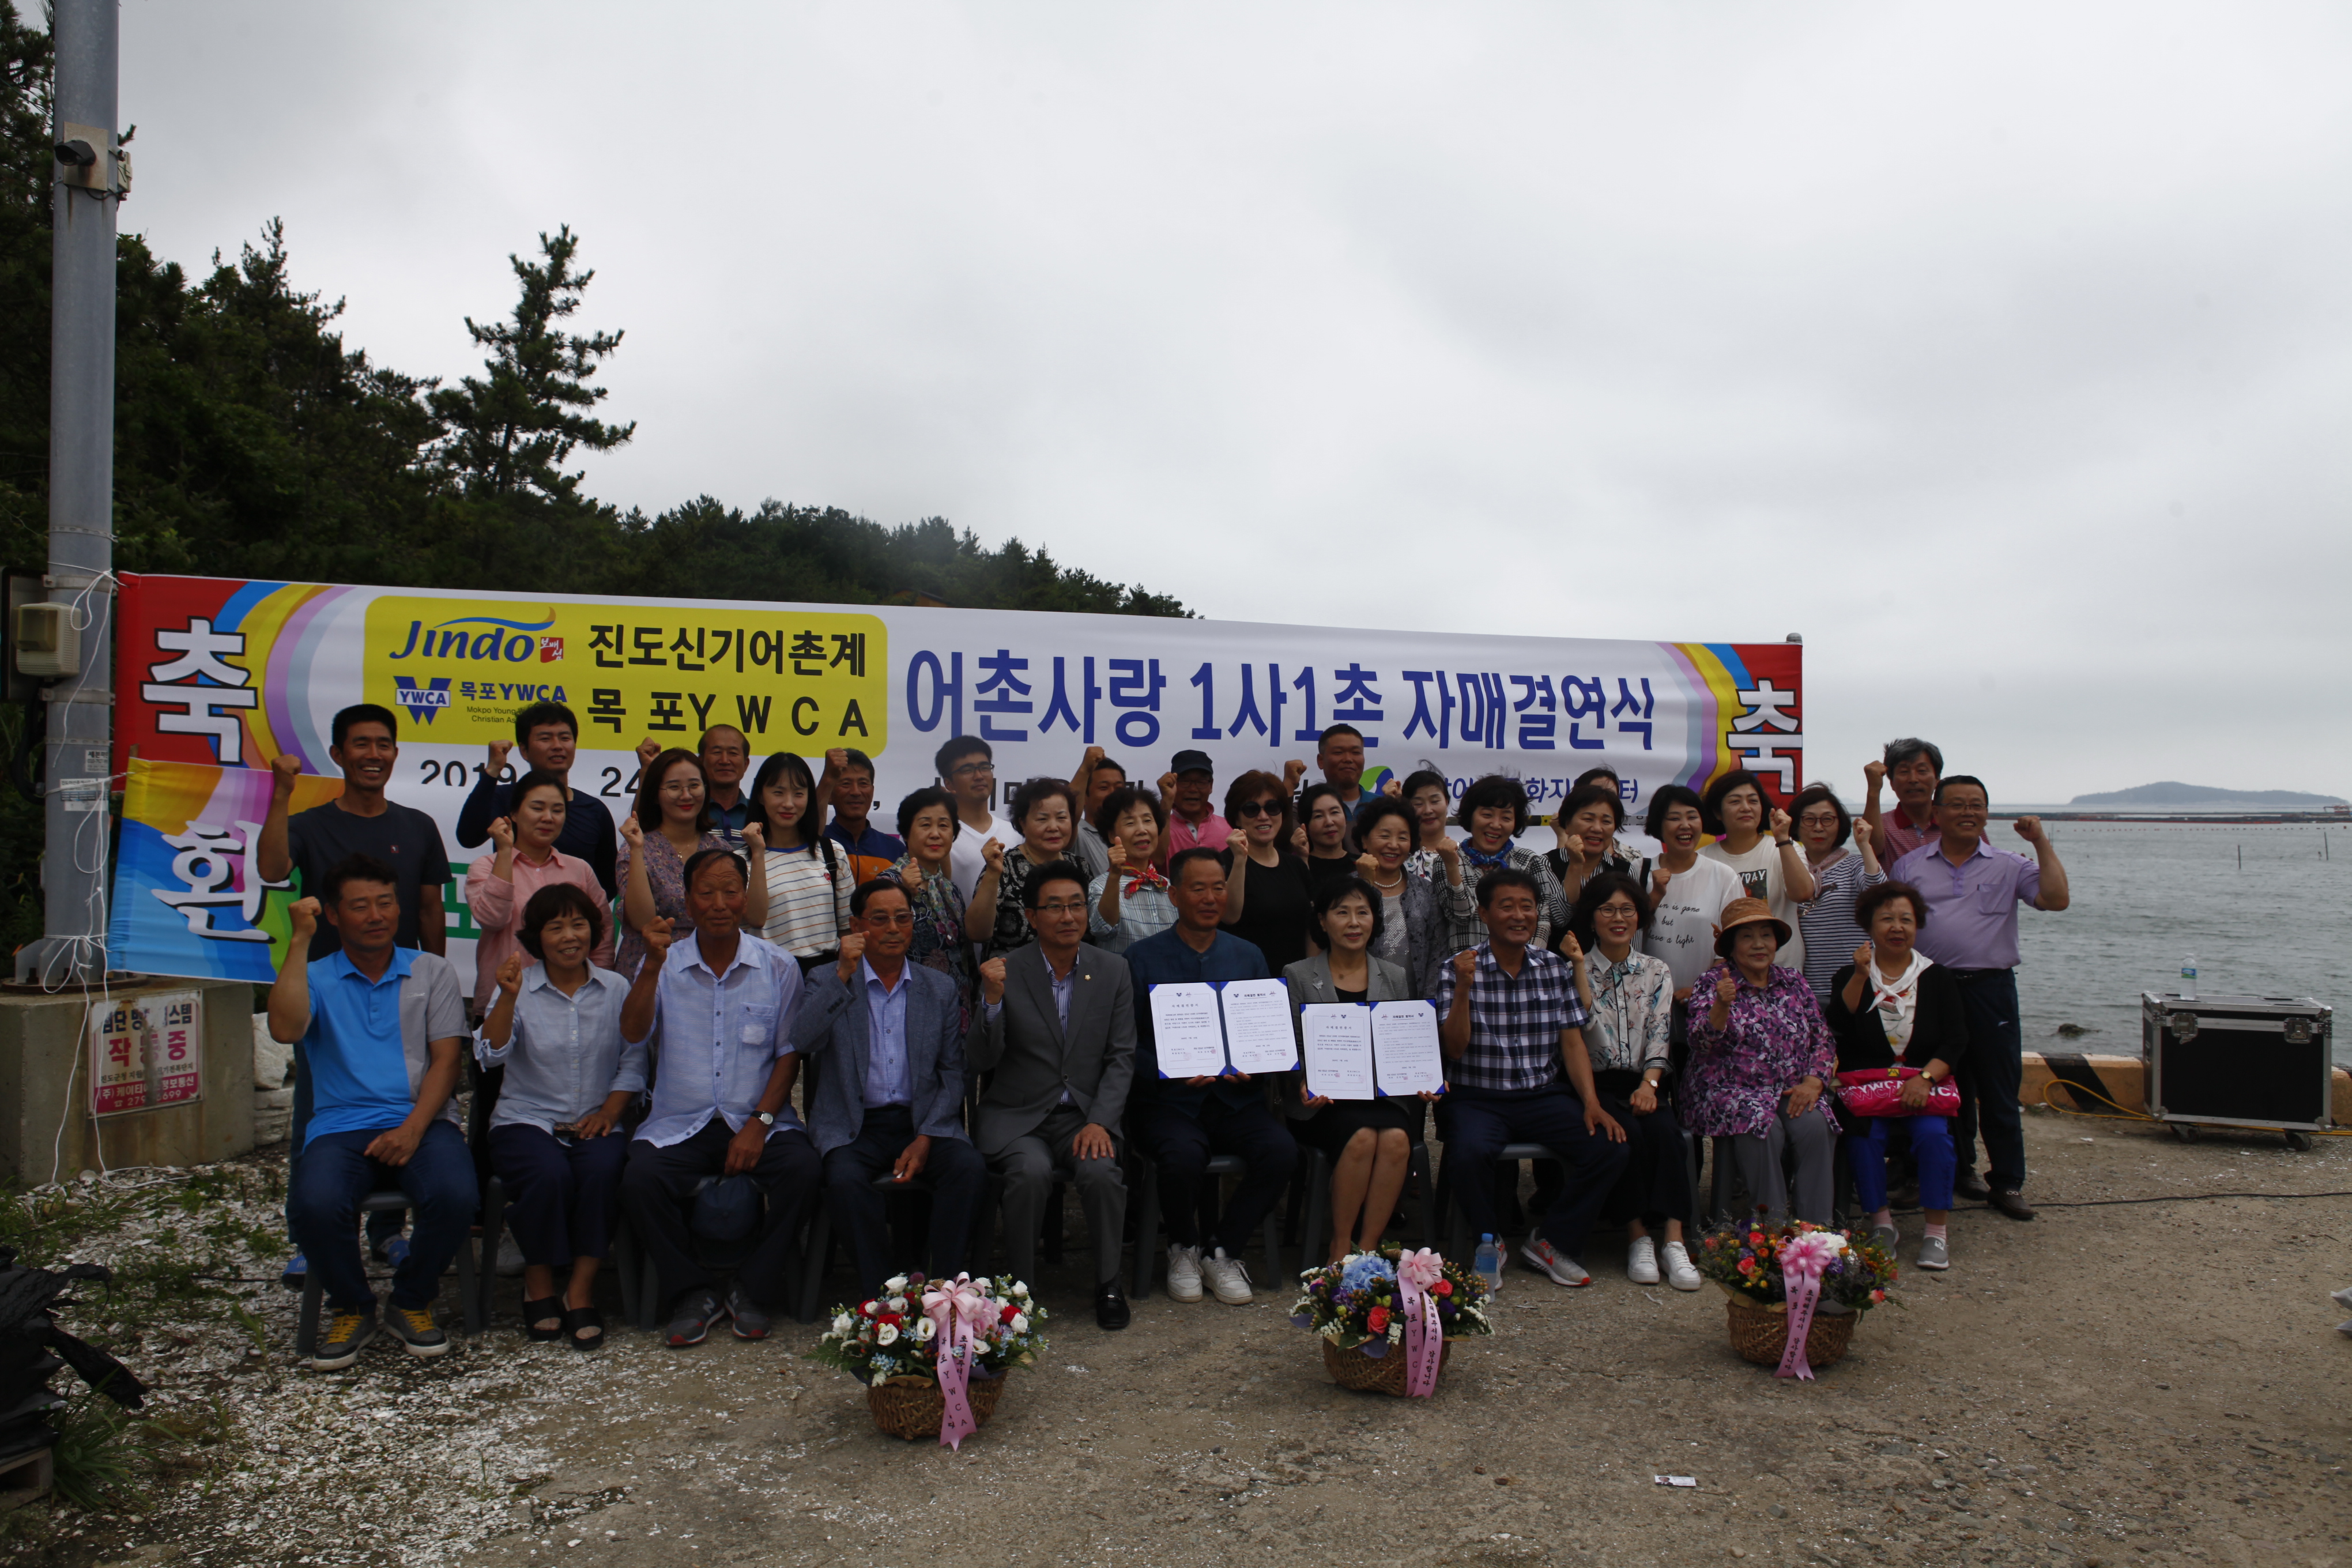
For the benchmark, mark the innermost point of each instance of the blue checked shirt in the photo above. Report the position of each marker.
(1515, 1024)
(717, 1038)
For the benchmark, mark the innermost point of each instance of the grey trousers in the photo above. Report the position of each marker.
(1758, 1156)
(1026, 1166)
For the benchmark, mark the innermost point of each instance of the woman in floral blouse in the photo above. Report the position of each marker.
(1760, 1058)
(927, 821)
(1630, 997)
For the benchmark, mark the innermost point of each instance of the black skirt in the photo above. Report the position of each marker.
(1330, 1129)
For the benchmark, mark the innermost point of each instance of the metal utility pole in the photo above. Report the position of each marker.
(90, 180)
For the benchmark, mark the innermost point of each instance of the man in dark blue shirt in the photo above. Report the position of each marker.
(1181, 1122)
(549, 734)
(848, 787)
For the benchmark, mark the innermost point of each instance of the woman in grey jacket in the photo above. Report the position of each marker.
(1416, 909)
(1369, 1141)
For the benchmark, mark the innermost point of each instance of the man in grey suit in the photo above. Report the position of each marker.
(1058, 1034)
(889, 1094)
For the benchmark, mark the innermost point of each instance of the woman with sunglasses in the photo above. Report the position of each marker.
(1268, 892)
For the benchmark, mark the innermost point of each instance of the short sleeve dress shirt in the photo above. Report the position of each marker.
(718, 1036)
(1971, 906)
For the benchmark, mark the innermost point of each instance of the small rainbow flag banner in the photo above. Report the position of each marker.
(189, 896)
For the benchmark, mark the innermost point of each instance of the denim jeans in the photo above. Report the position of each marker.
(323, 1195)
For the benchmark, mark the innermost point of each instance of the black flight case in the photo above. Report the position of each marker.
(2239, 1062)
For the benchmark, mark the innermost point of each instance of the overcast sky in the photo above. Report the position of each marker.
(2004, 352)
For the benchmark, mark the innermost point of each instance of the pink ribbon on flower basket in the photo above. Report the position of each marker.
(1803, 1262)
(1424, 1339)
(959, 1311)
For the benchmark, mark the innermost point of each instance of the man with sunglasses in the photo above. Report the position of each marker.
(1058, 1041)
(967, 769)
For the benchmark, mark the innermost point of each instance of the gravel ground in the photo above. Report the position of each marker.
(2122, 1384)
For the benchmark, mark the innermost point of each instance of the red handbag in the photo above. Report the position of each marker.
(1879, 1093)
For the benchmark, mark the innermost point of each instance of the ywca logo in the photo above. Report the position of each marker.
(422, 702)
(551, 650)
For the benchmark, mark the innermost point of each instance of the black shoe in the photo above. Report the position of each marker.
(1110, 1306)
(2013, 1204)
(1969, 1185)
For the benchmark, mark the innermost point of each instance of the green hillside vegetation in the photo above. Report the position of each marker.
(252, 441)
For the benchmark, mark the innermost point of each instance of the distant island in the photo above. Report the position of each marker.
(2169, 793)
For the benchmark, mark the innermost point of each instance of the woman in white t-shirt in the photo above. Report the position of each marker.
(1687, 892)
(804, 880)
(1770, 866)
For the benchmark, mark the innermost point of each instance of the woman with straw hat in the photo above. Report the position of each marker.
(1760, 1057)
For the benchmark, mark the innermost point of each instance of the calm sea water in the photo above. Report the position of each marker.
(2147, 895)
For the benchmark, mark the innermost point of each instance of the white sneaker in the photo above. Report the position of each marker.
(1183, 1273)
(1679, 1272)
(2343, 1297)
(510, 1256)
(1228, 1279)
(1641, 1261)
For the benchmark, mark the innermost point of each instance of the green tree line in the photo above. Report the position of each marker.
(251, 440)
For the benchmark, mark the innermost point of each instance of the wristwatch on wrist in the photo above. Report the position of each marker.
(764, 1118)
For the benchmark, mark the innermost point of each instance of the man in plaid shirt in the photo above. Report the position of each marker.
(1513, 1033)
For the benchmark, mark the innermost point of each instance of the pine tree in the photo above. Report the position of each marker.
(511, 432)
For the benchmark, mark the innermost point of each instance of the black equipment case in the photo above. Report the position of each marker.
(2238, 1061)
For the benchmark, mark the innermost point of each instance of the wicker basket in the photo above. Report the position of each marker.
(1376, 1374)
(913, 1407)
(1760, 1334)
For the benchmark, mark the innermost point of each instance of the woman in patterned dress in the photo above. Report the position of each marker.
(1760, 1056)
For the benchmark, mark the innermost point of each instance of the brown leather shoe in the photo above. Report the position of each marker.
(2011, 1204)
(1969, 1185)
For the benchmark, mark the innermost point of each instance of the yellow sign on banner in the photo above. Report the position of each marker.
(786, 677)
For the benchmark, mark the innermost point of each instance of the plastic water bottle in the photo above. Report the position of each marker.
(2189, 978)
(1488, 1264)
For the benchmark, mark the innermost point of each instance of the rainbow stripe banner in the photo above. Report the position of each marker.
(216, 676)
(189, 898)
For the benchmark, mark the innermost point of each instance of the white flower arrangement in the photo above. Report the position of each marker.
(895, 1336)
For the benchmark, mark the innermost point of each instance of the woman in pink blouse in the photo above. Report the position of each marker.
(499, 885)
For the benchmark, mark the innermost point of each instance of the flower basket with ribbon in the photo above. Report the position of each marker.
(1385, 1318)
(934, 1354)
(1797, 1291)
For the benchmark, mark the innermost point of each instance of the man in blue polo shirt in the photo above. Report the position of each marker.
(379, 1026)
